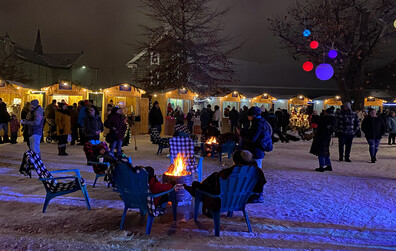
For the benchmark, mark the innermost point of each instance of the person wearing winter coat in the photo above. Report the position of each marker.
(233, 119)
(155, 117)
(63, 127)
(4, 119)
(392, 128)
(81, 109)
(205, 120)
(251, 138)
(321, 142)
(24, 113)
(35, 122)
(73, 110)
(116, 123)
(216, 119)
(373, 128)
(14, 128)
(347, 126)
(190, 122)
(93, 125)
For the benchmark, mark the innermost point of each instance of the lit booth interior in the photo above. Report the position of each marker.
(182, 98)
(130, 99)
(375, 103)
(299, 102)
(71, 93)
(265, 100)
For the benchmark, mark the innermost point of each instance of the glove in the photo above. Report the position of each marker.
(61, 131)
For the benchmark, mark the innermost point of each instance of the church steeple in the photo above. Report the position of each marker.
(38, 48)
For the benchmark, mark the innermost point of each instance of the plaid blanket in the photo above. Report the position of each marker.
(184, 146)
(32, 161)
(91, 152)
(152, 209)
(155, 138)
(184, 129)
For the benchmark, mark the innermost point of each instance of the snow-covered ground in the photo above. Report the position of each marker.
(351, 208)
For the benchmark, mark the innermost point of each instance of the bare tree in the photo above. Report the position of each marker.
(355, 28)
(186, 34)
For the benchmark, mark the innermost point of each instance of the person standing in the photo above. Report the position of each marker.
(205, 120)
(257, 138)
(63, 127)
(155, 117)
(392, 128)
(49, 113)
(4, 119)
(321, 142)
(73, 111)
(216, 119)
(347, 126)
(14, 127)
(80, 121)
(233, 119)
(190, 122)
(24, 113)
(373, 128)
(93, 125)
(116, 123)
(35, 122)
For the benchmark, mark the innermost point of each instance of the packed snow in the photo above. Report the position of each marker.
(351, 208)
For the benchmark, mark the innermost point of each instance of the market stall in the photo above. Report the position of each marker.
(299, 102)
(264, 100)
(130, 99)
(182, 98)
(336, 102)
(233, 99)
(66, 91)
(298, 107)
(375, 103)
(15, 94)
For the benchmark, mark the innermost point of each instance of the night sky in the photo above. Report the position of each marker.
(107, 30)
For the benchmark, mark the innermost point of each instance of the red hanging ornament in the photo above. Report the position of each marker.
(307, 66)
(314, 44)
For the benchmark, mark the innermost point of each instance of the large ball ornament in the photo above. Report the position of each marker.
(307, 66)
(306, 33)
(314, 44)
(324, 71)
(332, 54)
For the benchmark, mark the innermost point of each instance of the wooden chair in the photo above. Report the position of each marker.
(134, 191)
(51, 184)
(234, 193)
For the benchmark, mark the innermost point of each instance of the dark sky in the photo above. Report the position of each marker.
(105, 29)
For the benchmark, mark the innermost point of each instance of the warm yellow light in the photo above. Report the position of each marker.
(196, 95)
(184, 89)
(169, 93)
(18, 87)
(301, 97)
(46, 89)
(235, 92)
(85, 90)
(100, 89)
(107, 90)
(155, 95)
(125, 85)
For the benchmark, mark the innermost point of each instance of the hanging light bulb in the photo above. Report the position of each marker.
(314, 44)
(307, 66)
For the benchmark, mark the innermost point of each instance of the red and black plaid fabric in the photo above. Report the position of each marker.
(184, 146)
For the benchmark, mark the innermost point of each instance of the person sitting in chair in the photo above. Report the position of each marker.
(212, 183)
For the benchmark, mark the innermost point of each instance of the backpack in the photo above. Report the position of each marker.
(266, 139)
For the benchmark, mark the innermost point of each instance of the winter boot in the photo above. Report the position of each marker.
(73, 142)
(328, 168)
(64, 153)
(6, 140)
(341, 158)
(319, 169)
(59, 151)
(347, 159)
(372, 159)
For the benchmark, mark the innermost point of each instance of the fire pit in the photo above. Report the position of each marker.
(210, 147)
(177, 173)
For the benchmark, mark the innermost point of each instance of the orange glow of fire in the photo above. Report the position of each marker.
(210, 141)
(178, 168)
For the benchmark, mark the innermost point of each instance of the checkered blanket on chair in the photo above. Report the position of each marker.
(184, 146)
(32, 161)
(155, 138)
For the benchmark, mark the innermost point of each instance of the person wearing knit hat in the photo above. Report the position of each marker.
(347, 126)
(35, 126)
(257, 138)
(242, 158)
(155, 117)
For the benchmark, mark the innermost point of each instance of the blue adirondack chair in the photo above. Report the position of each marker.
(234, 193)
(227, 147)
(134, 191)
(51, 184)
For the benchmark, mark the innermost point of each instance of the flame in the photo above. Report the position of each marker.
(178, 168)
(212, 140)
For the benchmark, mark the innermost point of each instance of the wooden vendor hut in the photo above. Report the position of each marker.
(299, 102)
(130, 99)
(233, 99)
(15, 95)
(182, 98)
(265, 100)
(71, 93)
(375, 103)
(336, 102)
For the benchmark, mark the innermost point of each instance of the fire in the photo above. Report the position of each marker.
(212, 140)
(178, 168)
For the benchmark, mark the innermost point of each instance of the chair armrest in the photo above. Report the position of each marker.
(206, 193)
(76, 171)
(200, 158)
(58, 178)
(155, 195)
